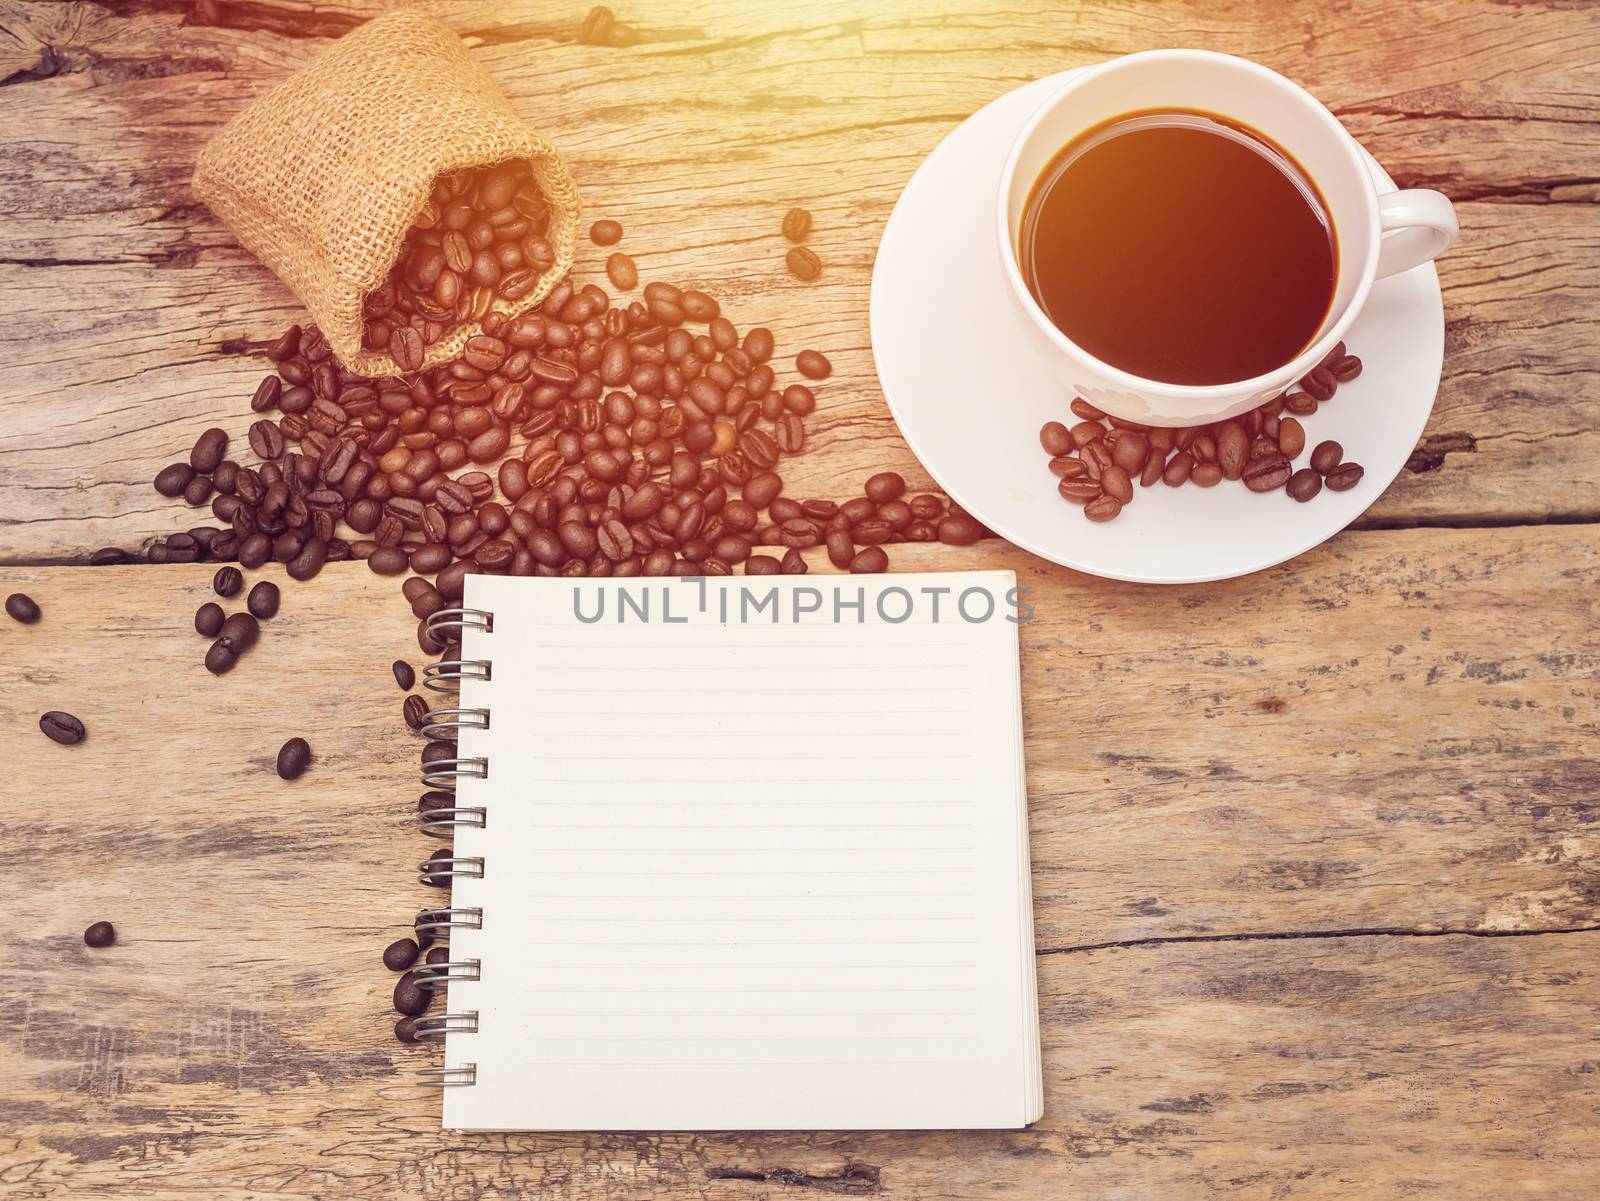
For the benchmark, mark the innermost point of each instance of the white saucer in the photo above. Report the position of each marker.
(969, 393)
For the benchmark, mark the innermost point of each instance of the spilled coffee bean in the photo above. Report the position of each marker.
(228, 581)
(263, 600)
(294, 757)
(404, 675)
(23, 608)
(208, 619)
(62, 727)
(410, 998)
(400, 954)
(414, 710)
(406, 1030)
(100, 934)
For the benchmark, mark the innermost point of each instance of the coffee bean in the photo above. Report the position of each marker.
(1301, 404)
(266, 439)
(796, 224)
(605, 233)
(209, 451)
(1233, 449)
(1055, 438)
(1345, 368)
(62, 727)
(172, 479)
(622, 272)
(285, 346)
(107, 556)
(405, 347)
(1130, 451)
(227, 581)
(404, 675)
(263, 600)
(388, 560)
(99, 935)
(1267, 473)
(294, 757)
(208, 619)
(1320, 384)
(239, 632)
(414, 710)
(406, 1030)
(400, 954)
(1304, 484)
(869, 560)
(1114, 482)
(1326, 456)
(23, 608)
(762, 565)
(219, 658)
(1291, 437)
(1105, 508)
(812, 365)
(410, 998)
(1345, 477)
(1085, 411)
(1176, 472)
(1206, 475)
(1077, 489)
(803, 263)
(308, 562)
(959, 530)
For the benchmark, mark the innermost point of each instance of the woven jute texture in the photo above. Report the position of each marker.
(321, 177)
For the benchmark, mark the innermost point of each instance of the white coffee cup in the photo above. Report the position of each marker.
(1377, 234)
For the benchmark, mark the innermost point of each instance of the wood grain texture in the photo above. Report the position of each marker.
(1315, 864)
(698, 139)
(1302, 845)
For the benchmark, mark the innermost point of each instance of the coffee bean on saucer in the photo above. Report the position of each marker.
(414, 710)
(1304, 484)
(263, 600)
(1345, 477)
(1345, 368)
(240, 632)
(208, 619)
(227, 581)
(62, 727)
(1267, 473)
(404, 675)
(294, 757)
(406, 1030)
(1326, 456)
(400, 954)
(23, 608)
(410, 998)
(100, 934)
(219, 658)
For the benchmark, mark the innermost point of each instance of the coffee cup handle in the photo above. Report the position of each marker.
(1418, 225)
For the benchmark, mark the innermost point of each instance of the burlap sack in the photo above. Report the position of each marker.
(321, 177)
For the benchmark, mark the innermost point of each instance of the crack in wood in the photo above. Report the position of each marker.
(854, 1179)
(1431, 452)
(1164, 940)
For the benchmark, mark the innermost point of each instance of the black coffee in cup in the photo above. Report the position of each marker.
(1181, 247)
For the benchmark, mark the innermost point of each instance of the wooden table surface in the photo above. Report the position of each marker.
(1317, 879)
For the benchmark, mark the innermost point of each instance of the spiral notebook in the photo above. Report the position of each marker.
(739, 853)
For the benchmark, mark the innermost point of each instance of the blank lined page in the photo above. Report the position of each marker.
(754, 857)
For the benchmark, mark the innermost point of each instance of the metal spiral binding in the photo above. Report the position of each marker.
(446, 627)
(434, 976)
(460, 619)
(441, 871)
(459, 1077)
(443, 773)
(445, 821)
(439, 1024)
(448, 723)
(446, 675)
(437, 923)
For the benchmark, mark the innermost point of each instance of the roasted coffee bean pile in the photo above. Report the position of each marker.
(479, 238)
(641, 448)
(1097, 460)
